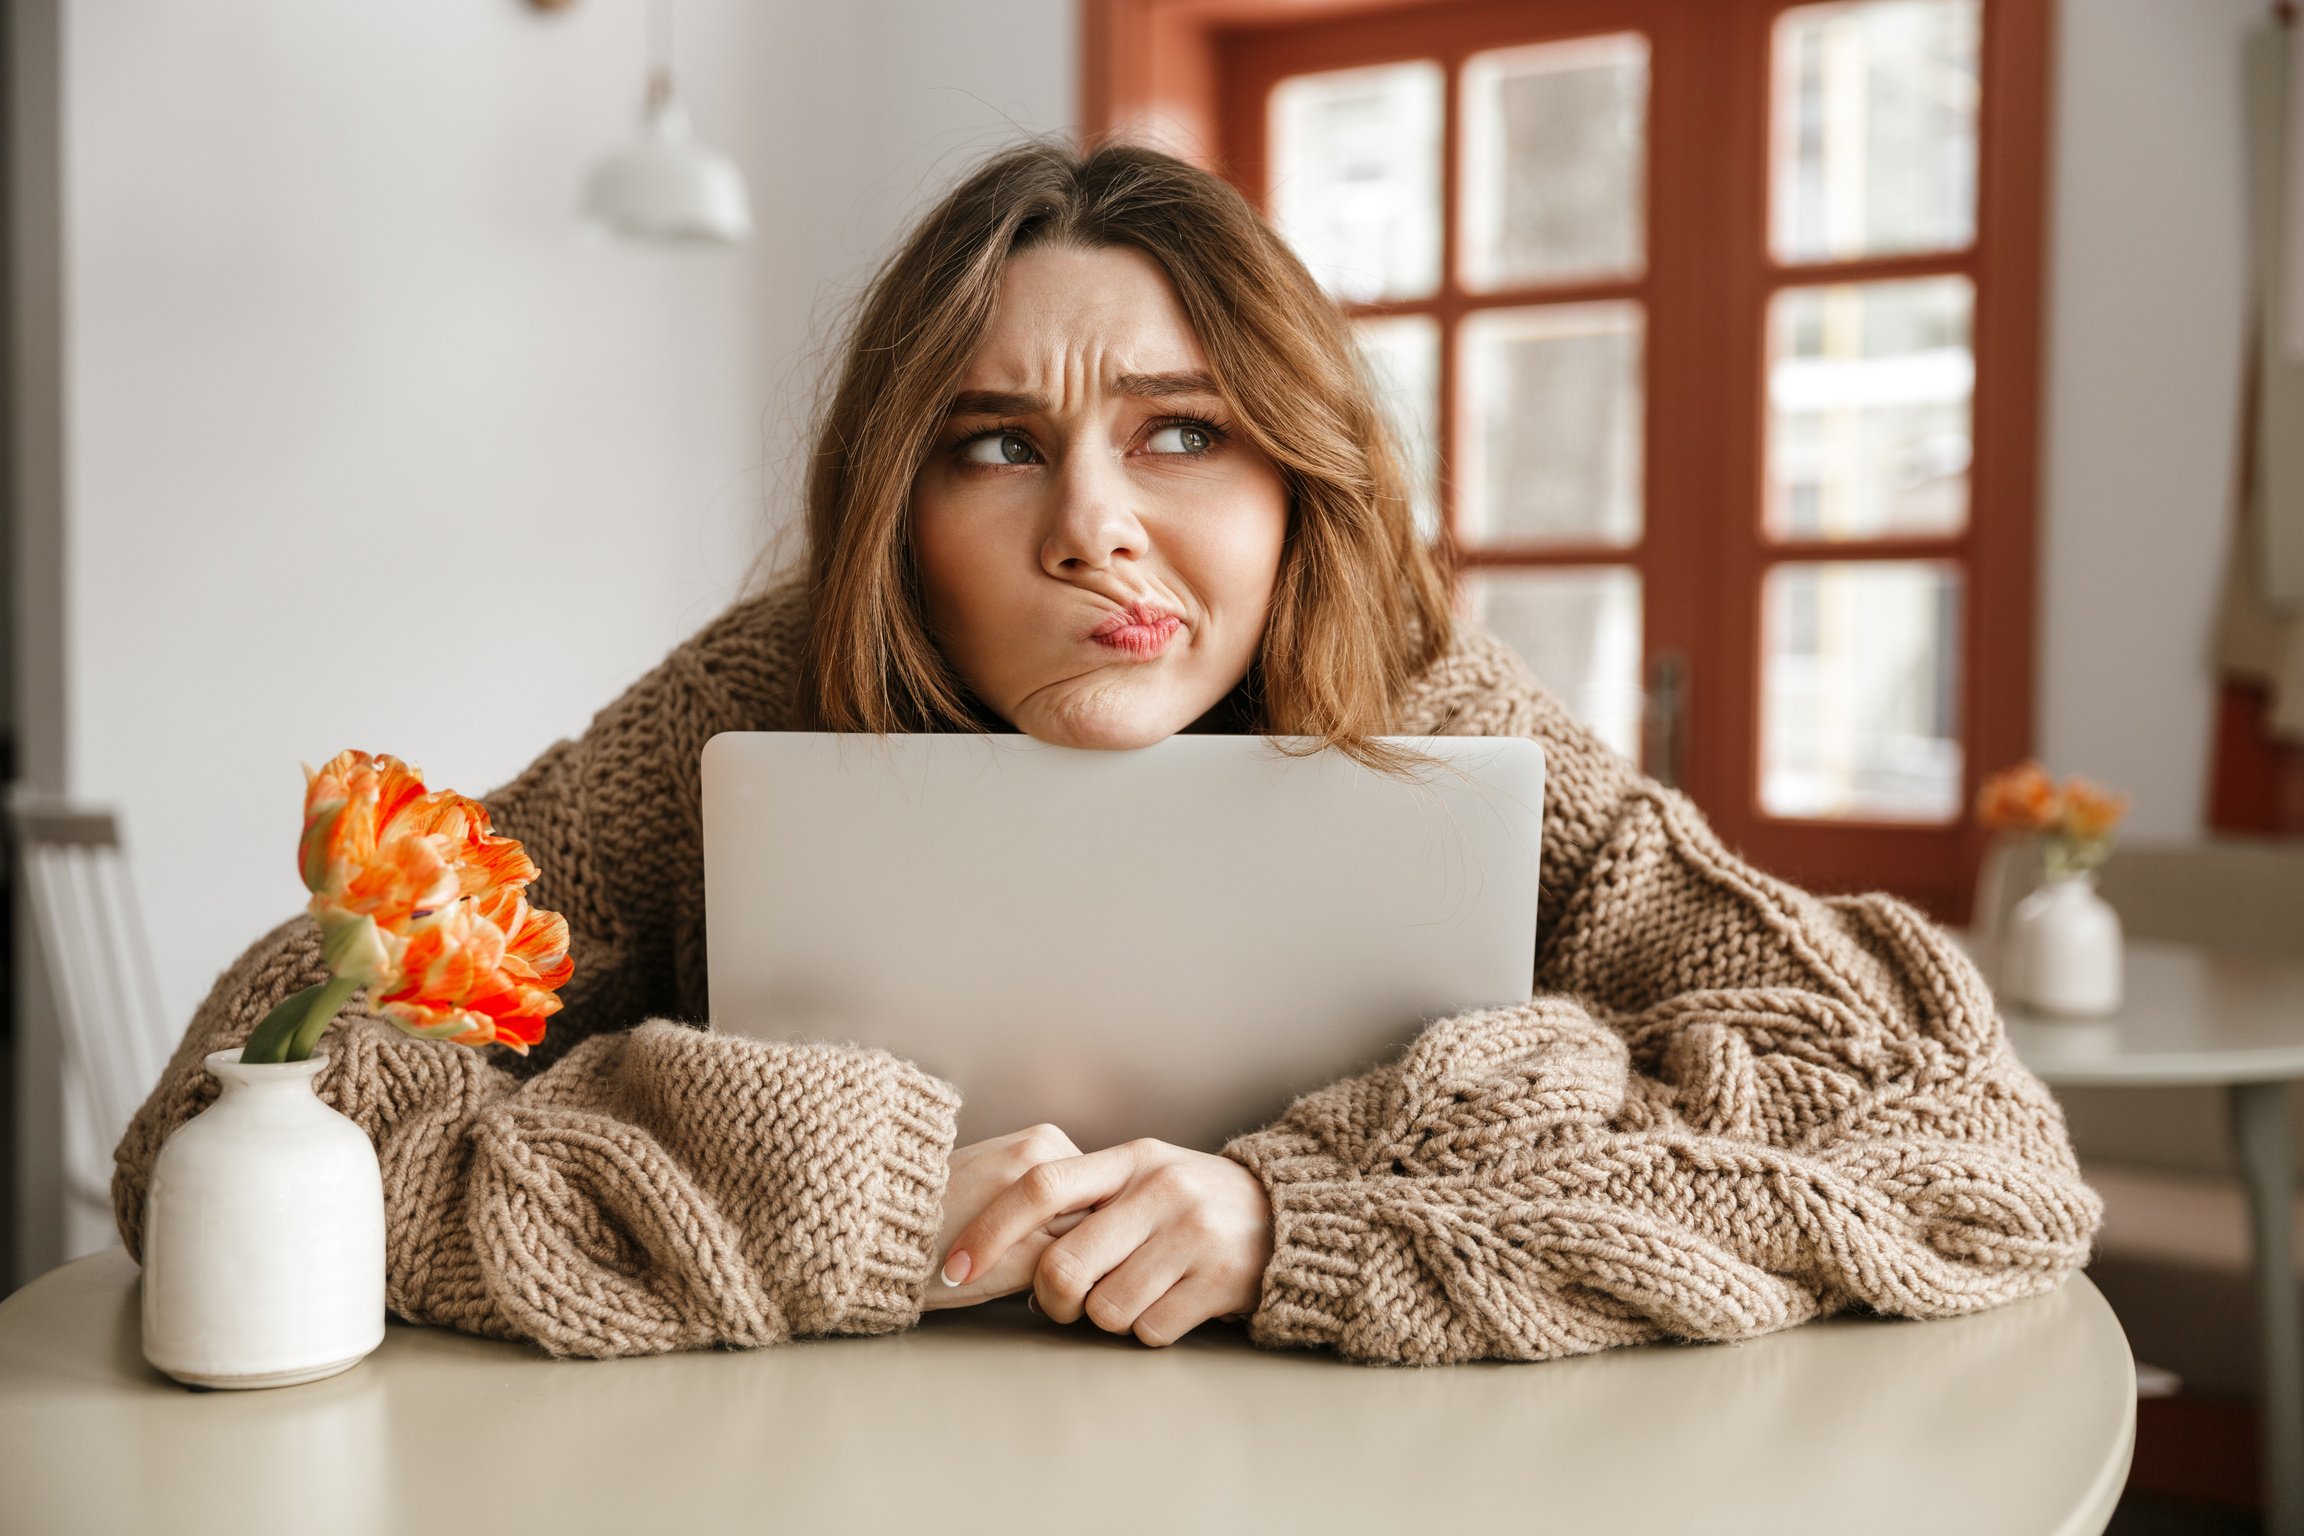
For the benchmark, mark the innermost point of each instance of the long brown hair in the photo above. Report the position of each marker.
(1361, 605)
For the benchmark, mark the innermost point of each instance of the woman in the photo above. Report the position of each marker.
(1100, 467)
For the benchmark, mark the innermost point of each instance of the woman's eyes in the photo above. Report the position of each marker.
(1195, 439)
(1192, 436)
(999, 438)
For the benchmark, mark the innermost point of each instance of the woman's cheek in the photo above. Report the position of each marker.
(953, 566)
(1249, 558)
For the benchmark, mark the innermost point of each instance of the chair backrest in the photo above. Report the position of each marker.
(116, 1040)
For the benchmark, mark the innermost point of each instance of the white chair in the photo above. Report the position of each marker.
(115, 1037)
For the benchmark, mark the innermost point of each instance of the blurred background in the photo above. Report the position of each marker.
(1836, 402)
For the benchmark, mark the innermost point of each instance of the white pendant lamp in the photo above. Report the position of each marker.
(664, 184)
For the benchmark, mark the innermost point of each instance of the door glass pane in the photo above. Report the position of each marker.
(1579, 628)
(1860, 690)
(1868, 409)
(1875, 128)
(1551, 441)
(1555, 161)
(1403, 355)
(1356, 177)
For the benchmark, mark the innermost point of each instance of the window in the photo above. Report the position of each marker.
(1711, 328)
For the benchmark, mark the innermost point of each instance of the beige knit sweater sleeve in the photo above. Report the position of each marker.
(1731, 1106)
(636, 1185)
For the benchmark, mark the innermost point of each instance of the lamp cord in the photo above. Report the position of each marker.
(660, 53)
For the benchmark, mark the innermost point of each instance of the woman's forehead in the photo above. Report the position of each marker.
(1069, 318)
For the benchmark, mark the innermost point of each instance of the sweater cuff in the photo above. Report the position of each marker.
(1312, 1286)
(903, 1207)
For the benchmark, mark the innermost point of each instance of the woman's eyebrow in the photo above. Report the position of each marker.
(1143, 386)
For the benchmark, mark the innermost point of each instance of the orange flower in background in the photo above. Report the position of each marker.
(2074, 822)
(2018, 799)
(2090, 810)
(419, 901)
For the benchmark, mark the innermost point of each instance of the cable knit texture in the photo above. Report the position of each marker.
(1730, 1106)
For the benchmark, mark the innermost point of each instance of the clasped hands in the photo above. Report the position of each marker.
(1144, 1237)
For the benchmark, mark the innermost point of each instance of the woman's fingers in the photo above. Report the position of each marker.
(976, 1173)
(1184, 1307)
(1142, 1238)
(1014, 1152)
(1013, 1274)
(1042, 1194)
(1117, 1302)
(1074, 1264)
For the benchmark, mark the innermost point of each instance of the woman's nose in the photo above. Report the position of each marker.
(1093, 523)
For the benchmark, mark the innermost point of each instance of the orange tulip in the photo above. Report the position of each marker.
(2090, 810)
(2018, 799)
(419, 901)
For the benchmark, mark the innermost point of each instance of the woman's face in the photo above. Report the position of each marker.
(1098, 547)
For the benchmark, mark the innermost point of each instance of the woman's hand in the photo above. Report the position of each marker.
(1175, 1237)
(979, 1171)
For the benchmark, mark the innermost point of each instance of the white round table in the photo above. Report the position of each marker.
(2191, 1016)
(2019, 1419)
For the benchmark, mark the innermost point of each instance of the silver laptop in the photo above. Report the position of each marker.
(1173, 941)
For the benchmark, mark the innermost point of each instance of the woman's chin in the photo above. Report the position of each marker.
(1104, 739)
(1102, 723)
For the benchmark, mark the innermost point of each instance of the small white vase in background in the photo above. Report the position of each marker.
(2062, 951)
(263, 1235)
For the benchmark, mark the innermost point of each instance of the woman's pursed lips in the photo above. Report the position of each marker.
(1137, 632)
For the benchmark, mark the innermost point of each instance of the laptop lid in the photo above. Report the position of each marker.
(1173, 941)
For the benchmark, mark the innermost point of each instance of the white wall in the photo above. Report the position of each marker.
(367, 448)
(2147, 282)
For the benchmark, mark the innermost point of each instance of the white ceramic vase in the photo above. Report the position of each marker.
(2061, 953)
(263, 1235)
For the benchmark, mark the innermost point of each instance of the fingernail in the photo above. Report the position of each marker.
(955, 1269)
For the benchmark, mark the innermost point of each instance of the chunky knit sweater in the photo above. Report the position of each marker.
(1731, 1105)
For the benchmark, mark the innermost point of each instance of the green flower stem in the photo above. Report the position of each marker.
(292, 1029)
(332, 997)
(2064, 856)
(269, 1042)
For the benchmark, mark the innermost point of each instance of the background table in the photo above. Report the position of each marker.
(2192, 1016)
(2020, 1419)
